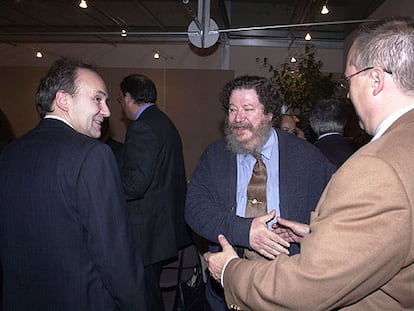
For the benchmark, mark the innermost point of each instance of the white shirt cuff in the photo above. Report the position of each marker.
(224, 268)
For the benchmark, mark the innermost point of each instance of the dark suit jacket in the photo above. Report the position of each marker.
(211, 199)
(65, 243)
(117, 148)
(336, 148)
(155, 185)
(2, 145)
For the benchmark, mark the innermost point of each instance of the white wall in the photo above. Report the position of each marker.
(241, 59)
(388, 9)
(395, 8)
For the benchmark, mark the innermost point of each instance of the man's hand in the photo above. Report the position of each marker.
(264, 241)
(216, 261)
(291, 231)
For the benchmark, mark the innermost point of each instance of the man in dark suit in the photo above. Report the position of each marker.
(154, 181)
(216, 200)
(328, 119)
(65, 241)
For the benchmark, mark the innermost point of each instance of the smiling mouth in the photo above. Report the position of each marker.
(99, 123)
(240, 131)
(240, 128)
(236, 125)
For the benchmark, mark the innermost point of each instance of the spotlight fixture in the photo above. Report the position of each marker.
(83, 4)
(39, 54)
(124, 33)
(159, 54)
(293, 59)
(308, 37)
(325, 9)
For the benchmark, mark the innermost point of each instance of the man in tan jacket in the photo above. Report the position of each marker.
(359, 254)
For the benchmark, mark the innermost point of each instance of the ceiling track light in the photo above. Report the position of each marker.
(83, 4)
(124, 33)
(159, 53)
(308, 37)
(39, 54)
(293, 59)
(325, 9)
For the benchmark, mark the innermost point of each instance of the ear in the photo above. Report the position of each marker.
(62, 100)
(128, 99)
(128, 95)
(378, 77)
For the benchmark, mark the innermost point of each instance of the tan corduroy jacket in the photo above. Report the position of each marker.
(360, 254)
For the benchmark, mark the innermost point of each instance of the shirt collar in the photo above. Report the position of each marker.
(267, 148)
(384, 125)
(51, 116)
(142, 109)
(327, 134)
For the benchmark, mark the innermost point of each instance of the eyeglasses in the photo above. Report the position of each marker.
(344, 83)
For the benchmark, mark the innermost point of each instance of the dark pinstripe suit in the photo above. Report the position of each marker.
(65, 242)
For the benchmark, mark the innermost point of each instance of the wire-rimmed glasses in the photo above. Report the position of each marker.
(344, 83)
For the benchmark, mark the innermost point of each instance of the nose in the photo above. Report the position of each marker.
(105, 111)
(240, 115)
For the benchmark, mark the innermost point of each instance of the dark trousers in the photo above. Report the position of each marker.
(1, 287)
(215, 295)
(153, 293)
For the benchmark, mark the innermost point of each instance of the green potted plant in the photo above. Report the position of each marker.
(301, 84)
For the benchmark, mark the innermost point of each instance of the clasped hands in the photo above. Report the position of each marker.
(269, 243)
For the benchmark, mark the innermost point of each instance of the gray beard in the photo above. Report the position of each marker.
(260, 136)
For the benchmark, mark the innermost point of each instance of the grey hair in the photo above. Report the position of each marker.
(328, 115)
(390, 45)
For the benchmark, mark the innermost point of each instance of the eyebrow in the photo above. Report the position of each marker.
(103, 93)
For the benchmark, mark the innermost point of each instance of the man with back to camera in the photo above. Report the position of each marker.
(359, 254)
(218, 191)
(65, 242)
(328, 119)
(154, 181)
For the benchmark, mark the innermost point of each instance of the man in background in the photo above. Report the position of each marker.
(288, 123)
(328, 119)
(65, 240)
(359, 254)
(218, 192)
(154, 181)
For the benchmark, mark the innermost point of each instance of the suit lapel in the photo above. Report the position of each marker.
(231, 164)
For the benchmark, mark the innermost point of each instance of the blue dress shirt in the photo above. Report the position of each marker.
(142, 109)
